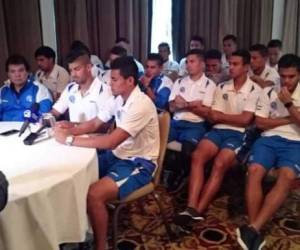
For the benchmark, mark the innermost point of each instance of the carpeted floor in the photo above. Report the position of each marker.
(142, 228)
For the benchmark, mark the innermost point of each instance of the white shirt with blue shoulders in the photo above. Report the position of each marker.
(229, 101)
(269, 106)
(83, 107)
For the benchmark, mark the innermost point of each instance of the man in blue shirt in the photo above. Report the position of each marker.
(21, 92)
(156, 85)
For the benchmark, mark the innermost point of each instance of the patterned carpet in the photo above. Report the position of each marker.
(142, 228)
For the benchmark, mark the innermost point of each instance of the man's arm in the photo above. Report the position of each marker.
(240, 120)
(261, 82)
(269, 123)
(198, 108)
(108, 141)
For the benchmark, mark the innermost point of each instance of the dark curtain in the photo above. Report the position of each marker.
(20, 27)
(178, 28)
(134, 23)
(71, 24)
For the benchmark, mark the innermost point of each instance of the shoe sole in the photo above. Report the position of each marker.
(240, 241)
(262, 245)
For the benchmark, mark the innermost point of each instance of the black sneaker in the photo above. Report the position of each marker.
(186, 217)
(246, 236)
(258, 243)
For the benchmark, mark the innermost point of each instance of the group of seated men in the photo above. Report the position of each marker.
(212, 103)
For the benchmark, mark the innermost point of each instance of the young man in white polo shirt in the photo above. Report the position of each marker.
(190, 101)
(196, 42)
(232, 111)
(131, 149)
(53, 76)
(229, 46)
(260, 72)
(274, 53)
(278, 115)
(85, 95)
(170, 68)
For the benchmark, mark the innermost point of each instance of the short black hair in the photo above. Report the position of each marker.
(122, 39)
(289, 61)
(275, 43)
(118, 50)
(127, 67)
(198, 52)
(198, 38)
(155, 57)
(17, 60)
(45, 51)
(79, 45)
(230, 37)
(166, 45)
(244, 54)
(260, 48)
(73, 55)
(213, 54)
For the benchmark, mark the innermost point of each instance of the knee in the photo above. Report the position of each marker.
(287, 175)
(197, 158)
(256, 172)
(219, 168)
(93, 197)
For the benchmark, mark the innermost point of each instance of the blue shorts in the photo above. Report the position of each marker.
(225, 138)
(129, 175)
(187, 131)
(275, 151)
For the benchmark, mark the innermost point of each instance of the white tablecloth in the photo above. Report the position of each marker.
(47, 192)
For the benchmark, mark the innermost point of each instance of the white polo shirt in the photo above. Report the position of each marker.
(182, 67)
(201, 90)
(138, 117)
(83, 107)
(56, 81)
(229, 101)
(169, 67)
(268, 74)
(269, 106)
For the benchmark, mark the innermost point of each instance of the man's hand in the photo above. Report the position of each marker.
(214, 116)
(64, 124)
(60, 134)
(284, 95)
(180, 102)
(145, 80)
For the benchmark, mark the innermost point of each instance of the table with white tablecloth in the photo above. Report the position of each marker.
(47, 193)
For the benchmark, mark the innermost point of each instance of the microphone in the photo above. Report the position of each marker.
(30, 115)
(29, 140)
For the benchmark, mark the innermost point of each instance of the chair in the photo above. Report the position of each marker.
(164, 124)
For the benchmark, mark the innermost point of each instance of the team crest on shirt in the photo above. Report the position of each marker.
(225, 97)
(72, 98)
(182, 89)
(29, 98)
(273, 105)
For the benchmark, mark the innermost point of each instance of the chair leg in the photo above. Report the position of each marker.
(115, 224)
(167, 226)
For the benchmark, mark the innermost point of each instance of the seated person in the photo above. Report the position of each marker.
(124, 43)
(190, 101)
(196, 42)
(170, 68)
(21, 92)
(229, 46)
(260, 72)
(232, 111)
(274, 52)
(213, 66)
(53, 76)
(156, 85)
(114, 53)
(85, 95)
(97, 68)
(278, 115)
(128, 155)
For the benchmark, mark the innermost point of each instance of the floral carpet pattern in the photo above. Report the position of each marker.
(141, 225)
